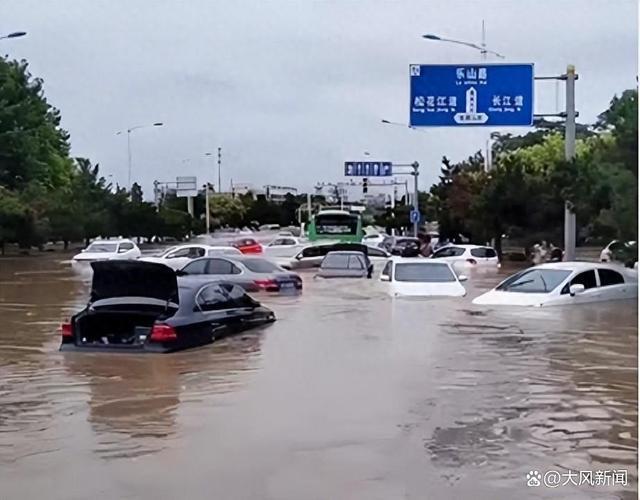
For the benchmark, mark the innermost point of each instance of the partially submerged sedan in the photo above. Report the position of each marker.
(138, 307)
(564, 283)
(418, 277)
(345, 265)
(251, 273)
(107, 250)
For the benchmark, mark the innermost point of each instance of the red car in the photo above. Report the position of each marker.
(247, 245)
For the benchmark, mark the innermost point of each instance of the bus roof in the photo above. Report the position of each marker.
(334, 212)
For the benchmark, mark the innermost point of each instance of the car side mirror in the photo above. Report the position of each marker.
(462, 277)
(298, 257)
(180, 272)
(385, 277)
(576, 289)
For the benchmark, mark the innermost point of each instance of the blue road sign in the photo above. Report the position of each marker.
(367, 168)
(414, 216)
(471, 94)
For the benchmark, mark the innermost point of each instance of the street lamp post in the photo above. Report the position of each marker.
(482, 47)
(129, 130)
(15, 34)
(483, 51)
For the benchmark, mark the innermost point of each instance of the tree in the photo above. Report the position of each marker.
(13, 215)
(226, 210)
(33, 146)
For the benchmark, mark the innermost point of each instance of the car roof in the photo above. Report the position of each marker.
(118, 240)
(580, 266)
(416, 260)
(465, 246)
(345, 252)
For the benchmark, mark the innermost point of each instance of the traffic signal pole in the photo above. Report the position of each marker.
(569, 154)
(415, 167)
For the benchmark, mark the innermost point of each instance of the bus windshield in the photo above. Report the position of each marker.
(336, 224)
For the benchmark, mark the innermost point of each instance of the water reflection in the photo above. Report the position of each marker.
(134, 400)
(350, 390)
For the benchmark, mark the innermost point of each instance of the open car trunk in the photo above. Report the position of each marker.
(127, 298)
(116, 328)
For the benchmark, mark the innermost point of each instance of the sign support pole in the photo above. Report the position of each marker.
(208, 215)
(415, 166)
(569, 154)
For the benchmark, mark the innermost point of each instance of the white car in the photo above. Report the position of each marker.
(420, 277)
(283, 247)
(179, 256)
(608, 253)
(311, 256)
(468, 256)
(563, 283)
(108, 250)
(373, 239)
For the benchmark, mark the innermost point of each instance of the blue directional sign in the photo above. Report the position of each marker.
(367, 168)
(471, 95)
(414, 216)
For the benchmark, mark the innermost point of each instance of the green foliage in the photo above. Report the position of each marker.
(524, 194)
(33, 147)
(226, 210)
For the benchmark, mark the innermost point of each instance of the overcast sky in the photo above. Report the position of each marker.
(292, 89)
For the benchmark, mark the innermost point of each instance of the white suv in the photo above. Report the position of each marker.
(468, 255)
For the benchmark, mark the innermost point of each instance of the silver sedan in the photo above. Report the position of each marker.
(254, 274)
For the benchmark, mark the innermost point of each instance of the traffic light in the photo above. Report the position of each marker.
(365, 185)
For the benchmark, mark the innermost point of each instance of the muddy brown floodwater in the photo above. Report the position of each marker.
(349, 395)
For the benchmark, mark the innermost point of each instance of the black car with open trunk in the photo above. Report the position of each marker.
(138, 307)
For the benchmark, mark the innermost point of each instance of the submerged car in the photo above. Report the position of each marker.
(420, 277)
(138, 307)
(179, 256)
(468, 255)
(403, 246)
(109, 249)
(345, 265)
(373, 239)
(251, 273)
(564, 283)
(312, 256)
(247, 245)
(619, 251)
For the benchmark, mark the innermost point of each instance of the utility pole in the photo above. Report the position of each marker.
(415, 165)
(569, 154)
(129, 158)
(207, 214)
(219, 169)
(393, 208)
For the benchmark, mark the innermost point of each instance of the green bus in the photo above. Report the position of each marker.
(336, 225)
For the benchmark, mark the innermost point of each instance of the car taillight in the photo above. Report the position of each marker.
(65, 330)
(472, 261)
(266, 284)
(162, 333)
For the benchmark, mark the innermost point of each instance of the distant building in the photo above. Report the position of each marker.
(278, 194)
(242, 189)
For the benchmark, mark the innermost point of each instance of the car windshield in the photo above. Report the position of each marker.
(260, 265)
(336, 261)
(424, 273)
(534, 281)
(167, 251)
(102, 247)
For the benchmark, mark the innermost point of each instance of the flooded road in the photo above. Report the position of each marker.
(349, 395)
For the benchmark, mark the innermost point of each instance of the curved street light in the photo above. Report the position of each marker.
(129, 130)
(15, 34)
(482, 47)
